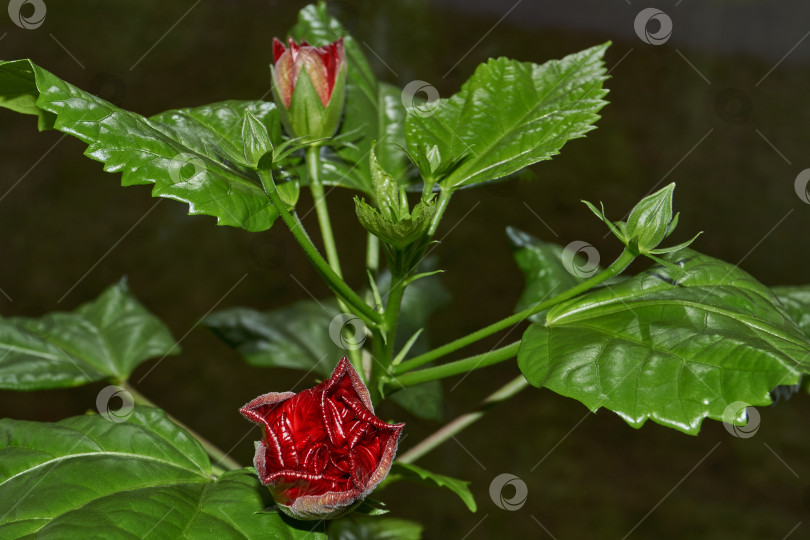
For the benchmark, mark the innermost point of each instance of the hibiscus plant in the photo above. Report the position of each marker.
(686, 338)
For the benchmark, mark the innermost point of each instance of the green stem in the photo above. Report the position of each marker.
(223, 460)
(444, 200)
(373, 254)
(462, 422)
(456, 368)
(313, 159)
(614, 269)
(335, 282)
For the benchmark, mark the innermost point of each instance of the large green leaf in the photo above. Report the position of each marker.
(355, 527)
(418, 475)
(508, 115)
(374, 111)
(188, 154)
(87, 476)
(103, 339)
(674, 345)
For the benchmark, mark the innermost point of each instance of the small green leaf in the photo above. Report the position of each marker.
(190, 155)
(104, 339)
(673, 346)
(418, 475)
(507, 116)
(369, 528)
(87, 476)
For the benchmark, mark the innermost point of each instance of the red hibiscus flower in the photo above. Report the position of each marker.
(323, 450)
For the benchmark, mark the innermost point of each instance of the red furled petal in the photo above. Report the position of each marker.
(323, 449)
(278, 49)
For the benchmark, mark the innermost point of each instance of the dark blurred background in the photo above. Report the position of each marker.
(721, 108)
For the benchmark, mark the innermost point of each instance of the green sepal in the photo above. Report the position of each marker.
(650, 220)
(256, 140)
(397, 234)
(389, 197)
(306, 116)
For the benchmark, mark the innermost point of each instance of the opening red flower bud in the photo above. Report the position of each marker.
(323, 449)
(322, 64)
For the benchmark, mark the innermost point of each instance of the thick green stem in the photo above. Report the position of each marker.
(444, 200)
(221, 460)
(335, 282)
(456, 368)
(462, 422)
(384, 340)
(614, 269)
(313, 158)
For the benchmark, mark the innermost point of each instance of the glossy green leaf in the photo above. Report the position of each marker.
(374, 111)
(796, 300)
(676, 345)
(103, 339)
(508, 115)
(87, 476)
(543, 268)
(294, 337)
(418, 475)
(188, 154)
(374, 528)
